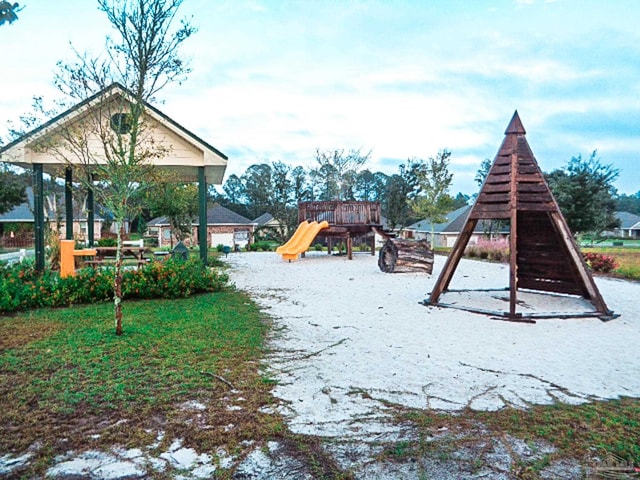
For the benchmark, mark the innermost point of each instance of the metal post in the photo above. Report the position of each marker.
(90, 213)
(202, 214)
(38, 214)
(68, 203)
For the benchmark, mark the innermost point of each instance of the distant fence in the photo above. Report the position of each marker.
(16, 257)
(16, 242)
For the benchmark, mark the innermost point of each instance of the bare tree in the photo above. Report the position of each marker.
(336, 173)
(142, 57)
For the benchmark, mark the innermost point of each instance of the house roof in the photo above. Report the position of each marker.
(452, 218)
(628, 220)
(264, 218)
(221, 215)
(24, 211)
(216, 215)
(22, 151)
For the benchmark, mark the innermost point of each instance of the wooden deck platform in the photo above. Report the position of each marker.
(347, 220)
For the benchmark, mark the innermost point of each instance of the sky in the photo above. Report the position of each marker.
(276, 80)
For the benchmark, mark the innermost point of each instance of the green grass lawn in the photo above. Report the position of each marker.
(68, 382)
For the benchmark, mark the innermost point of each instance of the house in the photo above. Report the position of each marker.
(629, 225)
(54, 214)
(446, 233)
(224, 227)
(268, 228)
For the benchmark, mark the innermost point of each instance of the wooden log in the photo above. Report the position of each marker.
(399, 255)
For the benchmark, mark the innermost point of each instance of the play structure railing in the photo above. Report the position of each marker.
(340, 213)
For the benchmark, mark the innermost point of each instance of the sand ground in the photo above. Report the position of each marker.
(349, 338)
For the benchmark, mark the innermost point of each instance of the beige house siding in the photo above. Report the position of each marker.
(165, 237)
(80, 229)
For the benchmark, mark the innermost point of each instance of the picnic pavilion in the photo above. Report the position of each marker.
(190, 158)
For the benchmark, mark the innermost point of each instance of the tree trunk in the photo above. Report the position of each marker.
(398, 255)
(117, 282)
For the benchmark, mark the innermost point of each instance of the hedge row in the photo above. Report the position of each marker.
(22, 287)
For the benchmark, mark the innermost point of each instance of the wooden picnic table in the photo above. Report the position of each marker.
(108, 254)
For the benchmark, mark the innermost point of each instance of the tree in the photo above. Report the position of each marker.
(142, 56)
(257, 188)
(585, 193)
(628, 203)
(283, 201)
(368, 186)
(335, 174)
(234, 190)
(399, 192)
(483, 172)
(8, 12)
(434, 201)
(460, 200)
(178, 203)
(12, 189)
(300, 187)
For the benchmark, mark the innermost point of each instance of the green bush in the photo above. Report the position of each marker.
(22, 288)
(107, 242)
(263, 245)
(220, 247)
(317, 247)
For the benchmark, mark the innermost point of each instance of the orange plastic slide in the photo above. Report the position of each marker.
(301, 239)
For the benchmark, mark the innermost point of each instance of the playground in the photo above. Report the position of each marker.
(351, 340)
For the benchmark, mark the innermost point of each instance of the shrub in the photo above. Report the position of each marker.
(21, 287)
(317, 247)
(220, 247)
(107, 242)
(264, 245)
(600, 263)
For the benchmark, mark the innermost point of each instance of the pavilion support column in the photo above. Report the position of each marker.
(202, 213)
(68, 203)
(38, 214)
(91, 215)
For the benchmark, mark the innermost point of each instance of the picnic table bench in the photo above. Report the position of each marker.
(107, 255)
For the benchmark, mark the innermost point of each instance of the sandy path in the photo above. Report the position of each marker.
(349, 337)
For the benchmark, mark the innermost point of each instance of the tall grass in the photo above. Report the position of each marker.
(496, 250)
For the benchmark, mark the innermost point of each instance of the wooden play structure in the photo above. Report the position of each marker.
(543, 255)
(346, 220)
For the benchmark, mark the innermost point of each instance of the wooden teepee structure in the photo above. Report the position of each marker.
(543, 254)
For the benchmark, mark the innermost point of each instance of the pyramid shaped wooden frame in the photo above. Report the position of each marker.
(543, 254)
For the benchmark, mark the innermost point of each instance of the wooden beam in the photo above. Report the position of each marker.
(452, 261)
(513, 238)
(586, 277)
